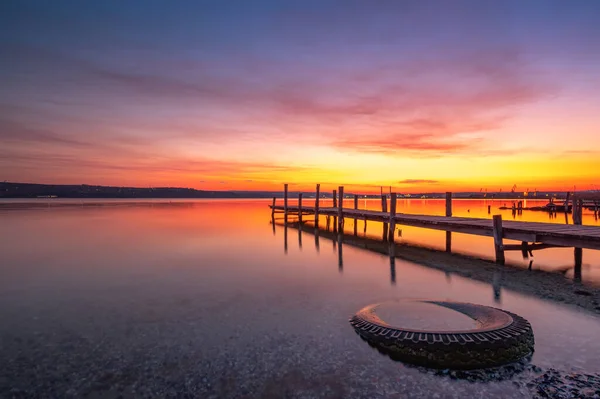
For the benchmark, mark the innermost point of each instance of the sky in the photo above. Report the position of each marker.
(246, 95)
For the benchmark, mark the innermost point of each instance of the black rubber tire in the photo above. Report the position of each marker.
(501, 338)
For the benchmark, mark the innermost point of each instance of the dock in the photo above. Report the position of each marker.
(532, 235)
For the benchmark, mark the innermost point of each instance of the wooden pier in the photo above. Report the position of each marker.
(533, 235)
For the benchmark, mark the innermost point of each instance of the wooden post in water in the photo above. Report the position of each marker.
(285, 203)
(341, 210)
(335, 206)
(578, 252)
(448, 204)
(448, 214)
(355, 220)
(318, 194)
(392, 218)
(567, 202)
(498, 245)
(300, 208)
(384, 209)
(273, 209)
(489, 209)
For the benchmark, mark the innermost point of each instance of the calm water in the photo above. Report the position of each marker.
(201, 297)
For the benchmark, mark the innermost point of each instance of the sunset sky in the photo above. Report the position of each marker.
(420, 95)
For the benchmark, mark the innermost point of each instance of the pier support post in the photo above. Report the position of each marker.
(448, 241)
(392, 218)
(317, 195)
(578, 252)
(335, 206)
(285, 203)
(355, 220)
(341, 209)
(489, 209)
(273, 209)
(300, 208)
(567, 202)
(448, 214)
(498, 245)
(384, 209)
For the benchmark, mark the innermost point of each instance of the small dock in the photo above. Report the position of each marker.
(533, 235)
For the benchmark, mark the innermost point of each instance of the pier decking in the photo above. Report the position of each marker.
(533, 235)
(546, 233)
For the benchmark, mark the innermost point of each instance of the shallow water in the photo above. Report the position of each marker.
(205, 298)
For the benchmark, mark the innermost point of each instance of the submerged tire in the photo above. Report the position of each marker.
(500, 338)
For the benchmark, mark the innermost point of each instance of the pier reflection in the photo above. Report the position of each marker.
(495, 277)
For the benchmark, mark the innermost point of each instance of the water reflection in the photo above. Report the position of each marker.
(495, 278)
(340, 253)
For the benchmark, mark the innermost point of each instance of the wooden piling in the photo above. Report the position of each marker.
(384, 209)
(498, 244)
(448, 204)
(392, 217)
(341, 209)
(334, 206)
(578, 252)
(567, 202)
(489, 209)
(318, 194)
(285, 203)
(355, 219)
(300, 208)
(273, 208)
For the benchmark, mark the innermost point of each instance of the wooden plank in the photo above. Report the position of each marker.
(498, 234)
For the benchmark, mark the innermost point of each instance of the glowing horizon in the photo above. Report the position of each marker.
(251, 95)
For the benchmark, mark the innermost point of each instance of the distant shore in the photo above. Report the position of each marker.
(52, 191)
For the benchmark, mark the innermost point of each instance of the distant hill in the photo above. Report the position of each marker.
(29, 190)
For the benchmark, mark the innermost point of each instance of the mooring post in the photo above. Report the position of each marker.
(341, 209)
(448, 204)
(300, 208)
(318, 194)
(285, 203)
(384, 209)
(498, 245)
(489, 209)
(355, 220)
(392, 218)
(567, 202)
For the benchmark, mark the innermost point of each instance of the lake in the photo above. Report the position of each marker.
(208, 299)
